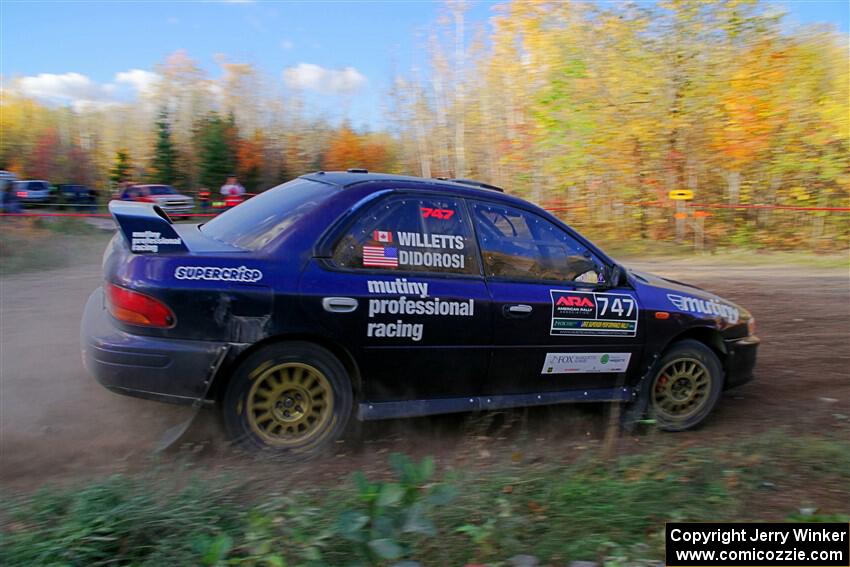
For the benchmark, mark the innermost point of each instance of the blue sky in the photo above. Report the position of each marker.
(354, 47)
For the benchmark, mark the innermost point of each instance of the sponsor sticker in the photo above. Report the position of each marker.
(584, 313)
(704, 306)
(398, 286)
(150, 241)
(242, 274)
(585, 362)
(412, 301)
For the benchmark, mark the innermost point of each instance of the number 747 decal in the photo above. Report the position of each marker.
(586, 313)
(442, 214)
(621, 307)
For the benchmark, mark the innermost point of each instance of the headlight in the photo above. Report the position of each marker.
(751, 326)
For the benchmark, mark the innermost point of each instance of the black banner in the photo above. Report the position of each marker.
(758, 545)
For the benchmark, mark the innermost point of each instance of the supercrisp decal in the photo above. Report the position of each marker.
(242, 274)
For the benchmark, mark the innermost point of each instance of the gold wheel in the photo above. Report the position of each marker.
(289, 404)
(681, 389)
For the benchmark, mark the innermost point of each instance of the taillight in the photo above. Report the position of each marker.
(136, 308)
(22, 194)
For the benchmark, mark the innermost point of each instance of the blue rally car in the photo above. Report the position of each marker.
(351, 295)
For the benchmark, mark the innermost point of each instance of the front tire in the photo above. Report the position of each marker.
(291, 399)
(685, 386)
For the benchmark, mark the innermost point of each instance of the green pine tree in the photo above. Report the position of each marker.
(165, 154)
(217, 159)
(121, 168)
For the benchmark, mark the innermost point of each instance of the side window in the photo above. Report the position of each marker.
(517, 244)
(410, 234)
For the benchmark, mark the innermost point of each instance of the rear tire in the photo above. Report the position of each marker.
(290, 399)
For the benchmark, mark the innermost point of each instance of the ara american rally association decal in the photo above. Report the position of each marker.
(585, 313)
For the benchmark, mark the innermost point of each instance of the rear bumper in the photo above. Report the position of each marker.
(34, 199)
(740, 360)
(170, 370)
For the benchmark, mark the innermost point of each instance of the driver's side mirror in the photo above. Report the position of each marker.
(616, 275)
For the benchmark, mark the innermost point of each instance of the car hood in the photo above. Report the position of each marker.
(665, 294)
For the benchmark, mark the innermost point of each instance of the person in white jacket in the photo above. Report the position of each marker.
(232, 188)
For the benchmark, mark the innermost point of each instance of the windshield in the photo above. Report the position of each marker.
(161, 190)
(259, 220)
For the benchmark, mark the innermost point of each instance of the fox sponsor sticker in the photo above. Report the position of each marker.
(585, 313)
(585, 362)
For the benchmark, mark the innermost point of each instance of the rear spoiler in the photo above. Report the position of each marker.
(146, 228)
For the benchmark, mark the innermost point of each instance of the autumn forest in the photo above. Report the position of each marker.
(595, 111)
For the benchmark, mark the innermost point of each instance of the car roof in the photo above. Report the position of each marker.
(381, 181)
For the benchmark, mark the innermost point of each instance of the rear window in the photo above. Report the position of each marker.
(261, 219)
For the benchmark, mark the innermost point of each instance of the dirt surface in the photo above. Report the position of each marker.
(57, 424)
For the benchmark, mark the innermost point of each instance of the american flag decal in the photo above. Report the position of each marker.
(381, 256)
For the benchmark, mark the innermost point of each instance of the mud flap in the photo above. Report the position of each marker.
(174, 433)
(635, 413)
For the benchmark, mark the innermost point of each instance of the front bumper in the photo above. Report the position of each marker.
(170, 370)
(740, 360)
(178, 210)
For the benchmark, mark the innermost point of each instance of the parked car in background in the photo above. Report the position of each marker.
(34, 192)
(8, 200)
(165, 196)
(79, 197)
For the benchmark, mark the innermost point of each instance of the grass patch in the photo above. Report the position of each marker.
(591, 510)
(48, 243)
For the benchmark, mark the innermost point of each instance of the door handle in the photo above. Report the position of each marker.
(339, 304)
(517, 310)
